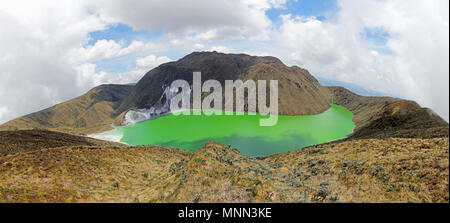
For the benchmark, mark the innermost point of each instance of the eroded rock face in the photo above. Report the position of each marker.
(161, 107)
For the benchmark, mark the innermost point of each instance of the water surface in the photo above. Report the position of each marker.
(242, 132)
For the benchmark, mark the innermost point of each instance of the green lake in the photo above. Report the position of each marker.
(191, 132)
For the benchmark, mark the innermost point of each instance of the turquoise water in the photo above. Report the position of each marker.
(190, 132)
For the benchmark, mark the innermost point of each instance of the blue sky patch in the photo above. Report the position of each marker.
(377, 39)
(376, 36)
(321, 9)
(121, 32)
(115, 65)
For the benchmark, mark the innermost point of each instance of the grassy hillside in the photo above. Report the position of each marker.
(384, 117)
(89, 113)
(367, 170)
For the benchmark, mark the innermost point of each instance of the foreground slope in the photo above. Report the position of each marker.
(12, 142)
(366, 170)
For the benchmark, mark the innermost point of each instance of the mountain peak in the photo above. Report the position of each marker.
(311, 97)
(214, 55)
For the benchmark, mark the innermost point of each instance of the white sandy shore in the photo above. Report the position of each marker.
(106, 136)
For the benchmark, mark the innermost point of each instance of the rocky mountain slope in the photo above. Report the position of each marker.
(365, 170)
(299, 92)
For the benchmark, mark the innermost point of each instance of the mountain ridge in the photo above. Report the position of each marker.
(299, 94)
(90, 112)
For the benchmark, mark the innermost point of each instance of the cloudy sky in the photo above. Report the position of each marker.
(51, 51)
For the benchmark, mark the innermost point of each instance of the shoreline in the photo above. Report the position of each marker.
(107, 137)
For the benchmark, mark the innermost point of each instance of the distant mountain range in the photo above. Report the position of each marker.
(350, 86)
(299, 94)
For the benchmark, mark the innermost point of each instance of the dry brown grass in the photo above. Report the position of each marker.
(87, 174)
(30, 140)
(367, 170)
(373, 170)
(89, 113)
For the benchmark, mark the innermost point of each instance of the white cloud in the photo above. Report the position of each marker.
(34, 71)
(100, 50)
(198, 46)
(106, 49)
(279, 4)
(151, 61)
(136, 46)
(43, 61)
(235, 18)
(222, 33)
(222, 49)
(413, 63)
(88, 75)
(3, 111)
